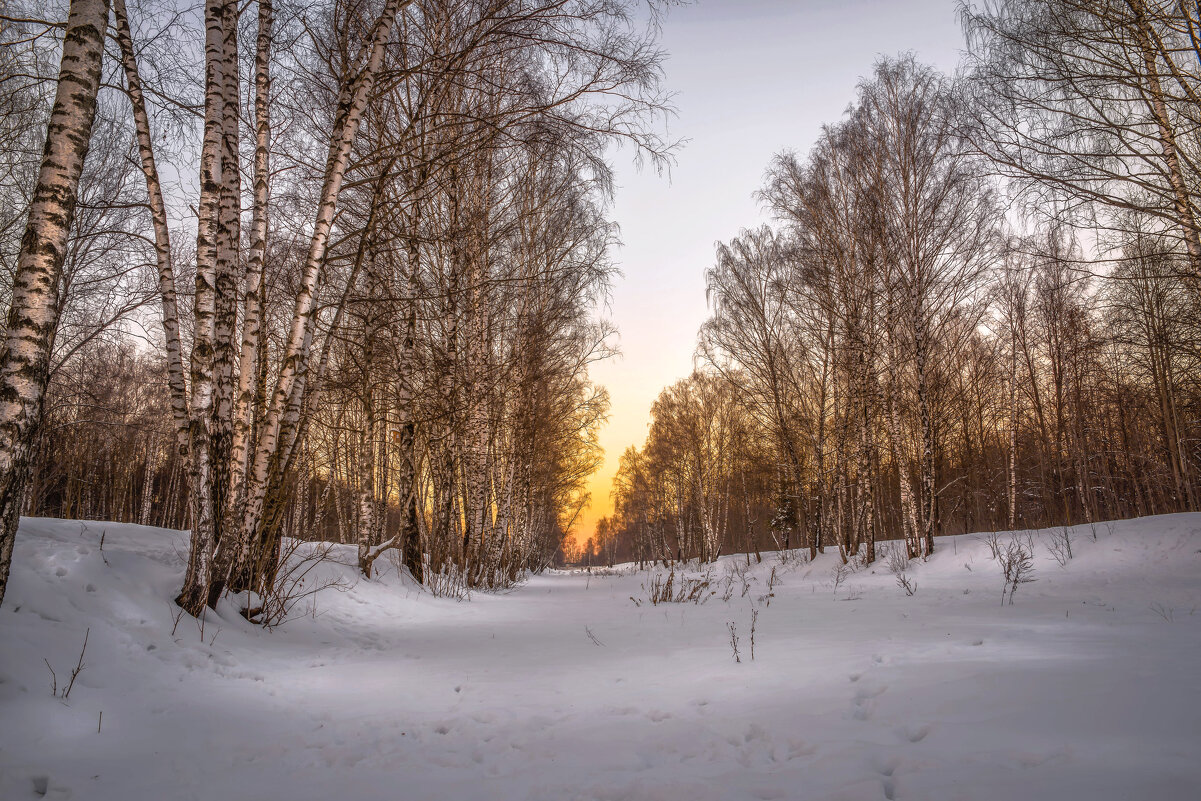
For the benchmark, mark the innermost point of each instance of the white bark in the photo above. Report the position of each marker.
(176, 380)
(249, 368)
(289, 390)
(194, 594)
(33, 313)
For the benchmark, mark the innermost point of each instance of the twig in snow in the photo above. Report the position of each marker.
(754, 620)
(79, 666)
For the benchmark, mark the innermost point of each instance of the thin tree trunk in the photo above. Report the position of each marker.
(410, 533)
(288, 395)
(1013, 430)
(176, 381)
(1167, 139)
(249, 368)
(148, 479)
(195, 593)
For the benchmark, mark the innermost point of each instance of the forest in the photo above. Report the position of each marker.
(319, 272)
(336, 272)
(314, 351)
(976, 309)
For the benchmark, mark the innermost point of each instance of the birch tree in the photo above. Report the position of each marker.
(34, 307)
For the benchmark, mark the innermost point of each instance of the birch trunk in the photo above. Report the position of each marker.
(369, 517)
(1167, 138)
(365, 497)
(250, 361)
(148, 479)
(909, 524)
(1013, 429)
(176, 380)
(195, 592)
(34, 310)
(927, 508)
(289, 389)
(406, 480)
(265, 539)
(864, 486)
(477, 489)
(229, 210)
(249, 358)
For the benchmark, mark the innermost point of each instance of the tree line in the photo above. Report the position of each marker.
(314, 270)
(976, 308)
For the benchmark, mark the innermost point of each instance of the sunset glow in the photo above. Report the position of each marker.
(736, 112)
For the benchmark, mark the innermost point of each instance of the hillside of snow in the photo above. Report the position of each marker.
(577, 686)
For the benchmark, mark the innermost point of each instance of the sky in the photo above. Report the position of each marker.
(751, 79)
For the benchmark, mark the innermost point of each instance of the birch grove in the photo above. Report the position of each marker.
(285, 272)
(382, 331)
(905, 363)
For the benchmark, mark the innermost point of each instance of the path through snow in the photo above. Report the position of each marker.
(1086, 688)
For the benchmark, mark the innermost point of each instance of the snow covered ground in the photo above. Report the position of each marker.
(1087, 687)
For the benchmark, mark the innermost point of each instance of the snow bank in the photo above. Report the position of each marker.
(1085, 688)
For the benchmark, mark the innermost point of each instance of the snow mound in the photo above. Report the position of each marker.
(578, 686)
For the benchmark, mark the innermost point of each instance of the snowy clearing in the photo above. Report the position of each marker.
(1085, 688)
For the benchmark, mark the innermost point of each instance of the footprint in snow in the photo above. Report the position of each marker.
(43, 789)
(913, 734)
(866, 693)
(800, 748)
(754, 732)
(864, 703)
(886, 767)
(658, 715)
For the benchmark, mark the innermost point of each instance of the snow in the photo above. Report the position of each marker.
(1085, 688)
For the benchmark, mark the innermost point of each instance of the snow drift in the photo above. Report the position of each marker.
(577, 686)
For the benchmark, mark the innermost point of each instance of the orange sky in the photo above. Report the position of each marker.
(753, 78)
